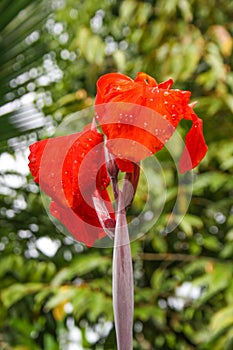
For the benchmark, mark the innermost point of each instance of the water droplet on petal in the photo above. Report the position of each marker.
(166, 93)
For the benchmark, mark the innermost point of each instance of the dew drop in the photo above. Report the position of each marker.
(151, 99)
(166, 93)
(165, 102)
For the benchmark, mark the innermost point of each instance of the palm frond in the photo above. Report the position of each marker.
(22, 28)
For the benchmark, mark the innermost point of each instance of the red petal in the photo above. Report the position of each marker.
(145, 79)
(125, 165)
(79, 229)
(166, 84)
(70, 169)
(196, 147)
(36, 151)
(111, 87)
(134, 133)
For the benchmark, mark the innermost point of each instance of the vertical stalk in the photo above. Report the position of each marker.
(123, 293)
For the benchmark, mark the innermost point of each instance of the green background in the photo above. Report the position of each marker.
(52, 53)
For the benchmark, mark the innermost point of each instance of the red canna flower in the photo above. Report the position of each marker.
(133, 132)
(71, 170)
(138, 117)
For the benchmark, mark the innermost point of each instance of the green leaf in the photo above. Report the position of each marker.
(211, 243)
(65, 293)
(212, 282)
(144, 312)
(189, 222)
(222, 319)
(50, 343)
(81, 265)
(15, 292)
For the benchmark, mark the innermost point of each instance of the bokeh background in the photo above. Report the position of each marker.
(56, 294)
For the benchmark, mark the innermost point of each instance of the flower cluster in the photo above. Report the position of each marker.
(134, 119)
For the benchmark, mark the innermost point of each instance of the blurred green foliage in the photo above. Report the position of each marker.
(52, 53)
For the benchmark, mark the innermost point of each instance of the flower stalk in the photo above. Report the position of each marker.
(122, 283)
